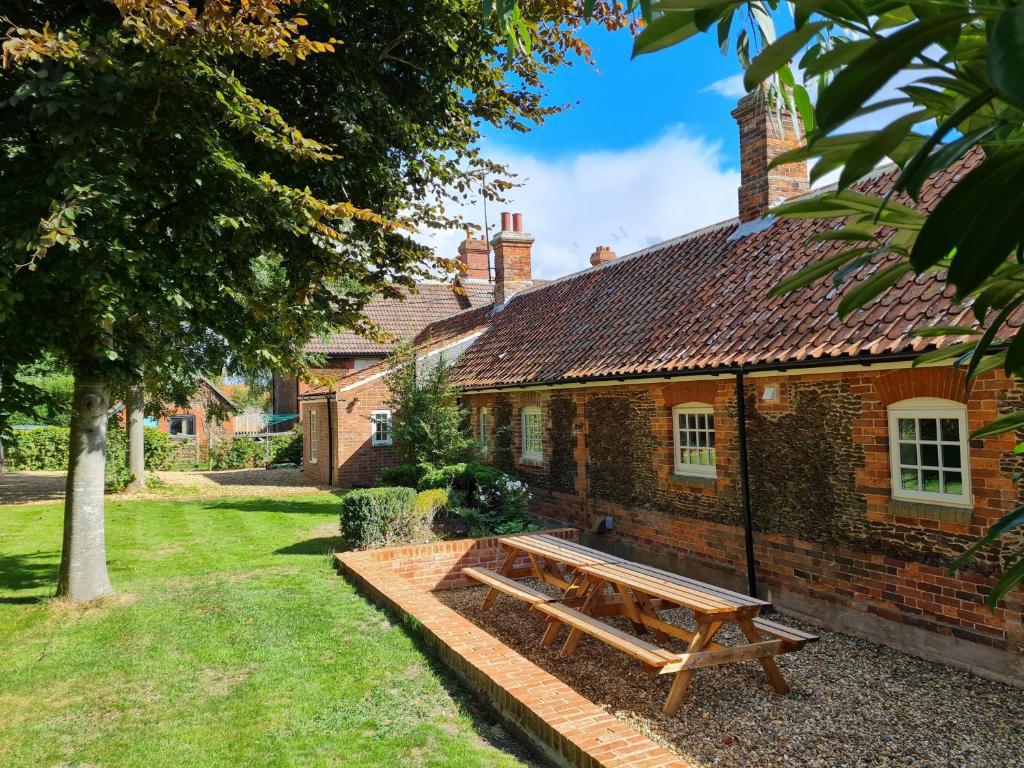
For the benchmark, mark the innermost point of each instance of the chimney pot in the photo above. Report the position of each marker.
(513, 271)
(601, 255)
(761, 141)
(506, 222)
(517, 222)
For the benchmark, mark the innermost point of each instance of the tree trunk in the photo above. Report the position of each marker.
(83, 561)
(136, 458)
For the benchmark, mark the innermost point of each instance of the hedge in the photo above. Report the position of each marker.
(380, 517)
(47, 448)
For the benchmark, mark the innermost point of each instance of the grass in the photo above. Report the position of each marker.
(232, 642)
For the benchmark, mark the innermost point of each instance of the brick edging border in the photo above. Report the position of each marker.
(563, 726)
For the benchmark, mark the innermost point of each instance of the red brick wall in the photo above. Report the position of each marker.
(357, 461)
(820, 485)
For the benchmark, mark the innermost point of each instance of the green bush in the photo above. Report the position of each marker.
(380, 517)
(286, 448)
(237, 453)
(404, 475)
(38, 449)
(158, 449)
(489, 500)
(432, 502)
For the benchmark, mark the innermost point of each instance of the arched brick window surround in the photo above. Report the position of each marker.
(942, 383)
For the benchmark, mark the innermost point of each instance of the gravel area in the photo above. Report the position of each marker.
(852, 703)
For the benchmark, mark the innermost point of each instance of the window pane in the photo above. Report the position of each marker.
(711, 439)
(907, 431)
(714, 457)
(711, 421)
(928, 428)
(691, 420)
(951, 455)
(930, 480)
(682, 421)
(702, 439)
(908, 453)
(951, 430)
(954, 483)
(908, 479)
(929, 455)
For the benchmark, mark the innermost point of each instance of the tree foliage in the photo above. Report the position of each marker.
(430, 427)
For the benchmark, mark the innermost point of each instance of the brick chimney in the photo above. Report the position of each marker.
(760, 143)
(474, 254)
(602, 255)
(512, 268)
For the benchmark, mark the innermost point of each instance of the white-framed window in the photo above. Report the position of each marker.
(484, 430)
(181, 426)
(380, 428)
(314, 437)
(928, 451)
(533, 433)
(693, 439)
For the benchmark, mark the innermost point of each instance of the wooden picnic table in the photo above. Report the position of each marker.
(595, 584)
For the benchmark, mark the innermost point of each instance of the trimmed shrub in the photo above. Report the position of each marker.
(431, 502)
(158, 450)
(402, 475)
(380, 517)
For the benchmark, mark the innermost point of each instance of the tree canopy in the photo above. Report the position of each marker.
(193, 187)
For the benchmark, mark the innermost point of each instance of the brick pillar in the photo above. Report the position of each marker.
(512, 261)
(474, 254)
(761, 142)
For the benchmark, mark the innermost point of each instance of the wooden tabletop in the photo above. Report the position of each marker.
(561, 550)
(690, 593)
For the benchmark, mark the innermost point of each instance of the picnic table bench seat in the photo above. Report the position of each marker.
(793, 638)
(508, 586)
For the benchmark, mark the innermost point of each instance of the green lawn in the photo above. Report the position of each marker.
(232, 642)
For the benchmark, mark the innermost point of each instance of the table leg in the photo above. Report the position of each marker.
(706, 629)
(771, 669)
(505, 569)
(647, 609)
(630, 608)
(593, 599)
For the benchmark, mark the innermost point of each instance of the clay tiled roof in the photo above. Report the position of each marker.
(700, 302)
(405, 318)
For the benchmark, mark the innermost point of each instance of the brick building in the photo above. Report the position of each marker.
(662, 401)
(194, 427)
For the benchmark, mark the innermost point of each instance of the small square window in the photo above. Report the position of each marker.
(929, 451)
(182, 426)
(693, 440)
(533, 434)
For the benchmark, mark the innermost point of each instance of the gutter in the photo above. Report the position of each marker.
(748, 515)
(332, 397)
(730, 370)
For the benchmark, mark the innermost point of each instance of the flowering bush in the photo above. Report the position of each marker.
(489, 500)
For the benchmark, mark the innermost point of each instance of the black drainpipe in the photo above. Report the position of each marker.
(748, 517)
(331, 398)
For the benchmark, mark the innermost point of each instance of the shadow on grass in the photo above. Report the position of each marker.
(326, 507)
(27, 572)
(323, 545)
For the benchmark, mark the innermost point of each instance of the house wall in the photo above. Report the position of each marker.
(831, 544)
(207, 429)
(360, 462)
(319, 471)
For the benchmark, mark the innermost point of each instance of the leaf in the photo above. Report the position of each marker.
(672, 28)
(871, 288)
(1015, 355)
(989, 336)
(945, 330)
(779, 53)
(946, 353)
(966, 210)
(1006, 55)
(814, 272)
(1007, 522)
(1008, 423)
(875, 66)
(1011, 578)
(881, 144)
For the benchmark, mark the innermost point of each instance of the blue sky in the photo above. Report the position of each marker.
(647, 152)
(622, 102)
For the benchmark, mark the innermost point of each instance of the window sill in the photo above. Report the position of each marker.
(928, 511)
(532, 461)
(380, 445)
(697, 481)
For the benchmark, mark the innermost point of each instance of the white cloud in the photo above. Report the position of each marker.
(626, 199)
(731, 87)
